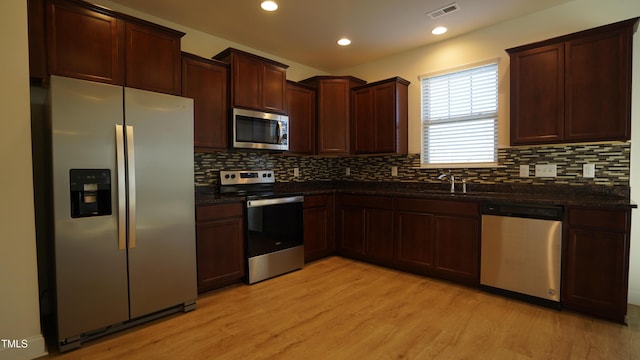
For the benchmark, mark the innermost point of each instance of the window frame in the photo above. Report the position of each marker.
(423, 121)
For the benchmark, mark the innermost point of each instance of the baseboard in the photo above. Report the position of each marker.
(23, 349)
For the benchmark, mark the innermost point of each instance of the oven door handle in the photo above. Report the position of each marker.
(275, 201)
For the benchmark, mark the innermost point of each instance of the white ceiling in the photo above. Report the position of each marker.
(306, 31)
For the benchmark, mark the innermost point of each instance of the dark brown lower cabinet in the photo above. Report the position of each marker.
(365, 228)
(438, 238)
(319, 226)
(220, 245)
(596, 261)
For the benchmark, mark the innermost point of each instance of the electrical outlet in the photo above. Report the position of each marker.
(347, 171)
(546, 170)
(296, 172)
(394, 171)
(589, 170)
(524, 170)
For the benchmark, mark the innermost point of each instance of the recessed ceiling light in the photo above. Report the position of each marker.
(439, 30)
(269, 6)
(344, 42)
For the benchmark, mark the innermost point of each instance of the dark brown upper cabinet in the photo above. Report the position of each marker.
(37, 49)
(333, 109)
(89, 42)
(152, 57)
(206, 82)
(379, 117)
(256, 83)
(301, 108)
(573, 88)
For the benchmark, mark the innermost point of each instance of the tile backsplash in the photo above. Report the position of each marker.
(612, 163)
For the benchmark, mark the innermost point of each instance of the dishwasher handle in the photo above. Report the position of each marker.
(524, 210)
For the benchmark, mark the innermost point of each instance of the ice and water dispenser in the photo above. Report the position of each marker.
(90, 192)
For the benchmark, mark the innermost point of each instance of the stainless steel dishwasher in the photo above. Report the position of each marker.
(520, 251)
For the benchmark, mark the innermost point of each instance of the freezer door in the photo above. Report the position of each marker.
(162, 259)
(90, 271)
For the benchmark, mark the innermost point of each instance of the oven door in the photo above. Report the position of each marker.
(259, 130)
(274, 225)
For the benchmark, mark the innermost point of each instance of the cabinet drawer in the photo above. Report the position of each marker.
(450, 207)
(219, 211)
(312, 201)
(611, 219)
(368, 201)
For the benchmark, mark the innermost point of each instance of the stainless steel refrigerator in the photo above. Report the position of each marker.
(120, 243)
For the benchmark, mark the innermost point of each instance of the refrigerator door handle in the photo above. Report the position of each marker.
(131, 172)
(122, 200)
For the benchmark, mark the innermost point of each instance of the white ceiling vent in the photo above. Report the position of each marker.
(444, 10)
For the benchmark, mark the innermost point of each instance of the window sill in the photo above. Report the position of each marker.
(461, 166)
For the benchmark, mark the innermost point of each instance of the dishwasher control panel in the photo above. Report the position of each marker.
(524, 210)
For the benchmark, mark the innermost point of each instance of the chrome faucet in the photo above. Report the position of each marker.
(452, 178)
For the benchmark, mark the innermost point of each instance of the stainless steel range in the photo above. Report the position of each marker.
(274, 234)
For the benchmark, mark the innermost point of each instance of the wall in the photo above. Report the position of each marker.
(490, 43)
(19, 308)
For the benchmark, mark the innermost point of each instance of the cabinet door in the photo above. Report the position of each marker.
(456, 244)
(152, 59)
(333, 117)
(414, 241)
(274, 80)
(85, 44)
(595, 273)
(220, 252)
(363, 122)
(206, 83)
(598, 90)
(319, 232)
(537, 95)
(352, 231)
(301, 108)
(247, 82)
(385, 124)
(379, 235)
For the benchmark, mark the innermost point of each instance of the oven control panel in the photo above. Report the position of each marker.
(239, 177)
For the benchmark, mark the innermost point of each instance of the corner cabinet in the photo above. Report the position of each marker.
(595, 267)
(333, 112)
(319, 226)
(301, 108)
(89, 42)
(219, 245)
(573, 88)
(256, 83)
(206, 82)
(440, 238)
(379, 118)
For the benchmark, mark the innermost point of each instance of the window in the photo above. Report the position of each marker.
(460, 116)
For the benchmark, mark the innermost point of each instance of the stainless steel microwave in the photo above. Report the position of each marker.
(260, 130)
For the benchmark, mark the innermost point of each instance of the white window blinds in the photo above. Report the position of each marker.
(459, 116)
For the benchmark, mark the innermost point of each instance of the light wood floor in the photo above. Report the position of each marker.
(341, 309)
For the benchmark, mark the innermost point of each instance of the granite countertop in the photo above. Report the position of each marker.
(606, 196)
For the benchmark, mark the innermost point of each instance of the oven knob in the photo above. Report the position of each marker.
(264, 175)
(226, 176)
(233, 176)
(269, 175)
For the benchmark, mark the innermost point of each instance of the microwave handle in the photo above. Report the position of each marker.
(279, 132)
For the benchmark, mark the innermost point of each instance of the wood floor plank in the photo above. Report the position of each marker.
(337, 308)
